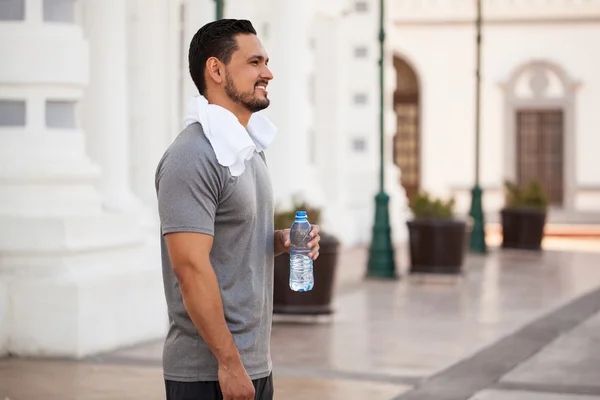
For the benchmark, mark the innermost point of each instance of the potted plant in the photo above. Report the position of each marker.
(437, 240)
(318, 300)
(524, 215)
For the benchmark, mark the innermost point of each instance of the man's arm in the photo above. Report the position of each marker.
(189, 253)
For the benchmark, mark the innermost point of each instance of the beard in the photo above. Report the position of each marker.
(246, 99)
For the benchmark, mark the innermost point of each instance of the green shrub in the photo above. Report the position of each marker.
(423, 205)
(530, 196)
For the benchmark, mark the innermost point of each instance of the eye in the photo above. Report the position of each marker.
(255, 62)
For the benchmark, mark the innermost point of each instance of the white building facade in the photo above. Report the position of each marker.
(539, 94)
(93, 91)
(91, 94)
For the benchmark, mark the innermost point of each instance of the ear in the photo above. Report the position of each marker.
(214, 70)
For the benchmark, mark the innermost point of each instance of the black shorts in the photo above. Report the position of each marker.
(212, 391)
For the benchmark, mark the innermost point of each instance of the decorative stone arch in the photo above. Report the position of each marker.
(541, 86)
(407, 139)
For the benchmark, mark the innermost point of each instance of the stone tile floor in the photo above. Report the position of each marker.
(523, 395)
(571, 363)
(394, 340)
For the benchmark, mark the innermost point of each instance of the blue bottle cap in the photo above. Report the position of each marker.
(301, 214)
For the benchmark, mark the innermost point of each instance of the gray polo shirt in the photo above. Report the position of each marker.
(197, 194)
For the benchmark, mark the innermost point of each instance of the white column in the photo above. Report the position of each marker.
(330, 123)
(288, 48)
(196, 13)
(106, 100)
(398, 205)
(46, 179)
(243, 9)
(62, 257)
(159, 33)
(149, 101)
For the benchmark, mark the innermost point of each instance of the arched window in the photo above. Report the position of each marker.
(407, 139)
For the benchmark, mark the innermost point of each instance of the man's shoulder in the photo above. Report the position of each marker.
(189, 152)
(191, 142)
(192, 148)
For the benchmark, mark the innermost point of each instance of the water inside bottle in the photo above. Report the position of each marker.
(301, 271)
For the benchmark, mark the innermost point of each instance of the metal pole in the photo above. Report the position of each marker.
(477, 92)
(477, 241)
(381, 87)
(219, 6)
(381, 252)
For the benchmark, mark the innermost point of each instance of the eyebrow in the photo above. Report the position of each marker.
(257, 57)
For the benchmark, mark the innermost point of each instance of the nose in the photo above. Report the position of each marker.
(266, 74)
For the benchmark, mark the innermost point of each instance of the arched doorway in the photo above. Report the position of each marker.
(407, 149)
(540, 136)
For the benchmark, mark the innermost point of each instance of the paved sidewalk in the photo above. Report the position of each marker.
(568, 366)
(517, 326)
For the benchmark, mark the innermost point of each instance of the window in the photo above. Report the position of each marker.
(360, 52)
(12, 112)
(60, 114)
(540, 138)
(360, 98)
(361, 6)
(12, 10)
(59, 11)
(407, 144)
(407, 140)
(359, 145)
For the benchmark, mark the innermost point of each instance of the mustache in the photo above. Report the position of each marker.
(264, 83)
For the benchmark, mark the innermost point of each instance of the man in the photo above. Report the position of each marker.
(216, 212)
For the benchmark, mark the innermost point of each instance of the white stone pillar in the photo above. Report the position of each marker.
(398, 205)
(330, 123)
(74, 280)
(149, 101)
(106, 100)
(196, 13)
(288, 48)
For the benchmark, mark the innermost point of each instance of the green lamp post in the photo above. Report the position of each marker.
(477, 240)
(219, 6)
(381, 252)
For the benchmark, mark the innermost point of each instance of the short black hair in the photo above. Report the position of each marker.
(215, 39)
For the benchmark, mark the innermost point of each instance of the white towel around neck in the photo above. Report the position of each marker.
(232, 143)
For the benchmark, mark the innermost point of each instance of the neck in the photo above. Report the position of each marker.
(221, 99)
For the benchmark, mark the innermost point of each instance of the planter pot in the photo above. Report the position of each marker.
(316, 301)
(437, 246)
(522, 228)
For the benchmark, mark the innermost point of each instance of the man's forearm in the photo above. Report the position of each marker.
(202, 300)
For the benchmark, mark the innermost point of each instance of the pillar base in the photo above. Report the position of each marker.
(99, 303)
(86, 285)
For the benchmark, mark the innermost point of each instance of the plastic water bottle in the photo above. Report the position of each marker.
(301, 265)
